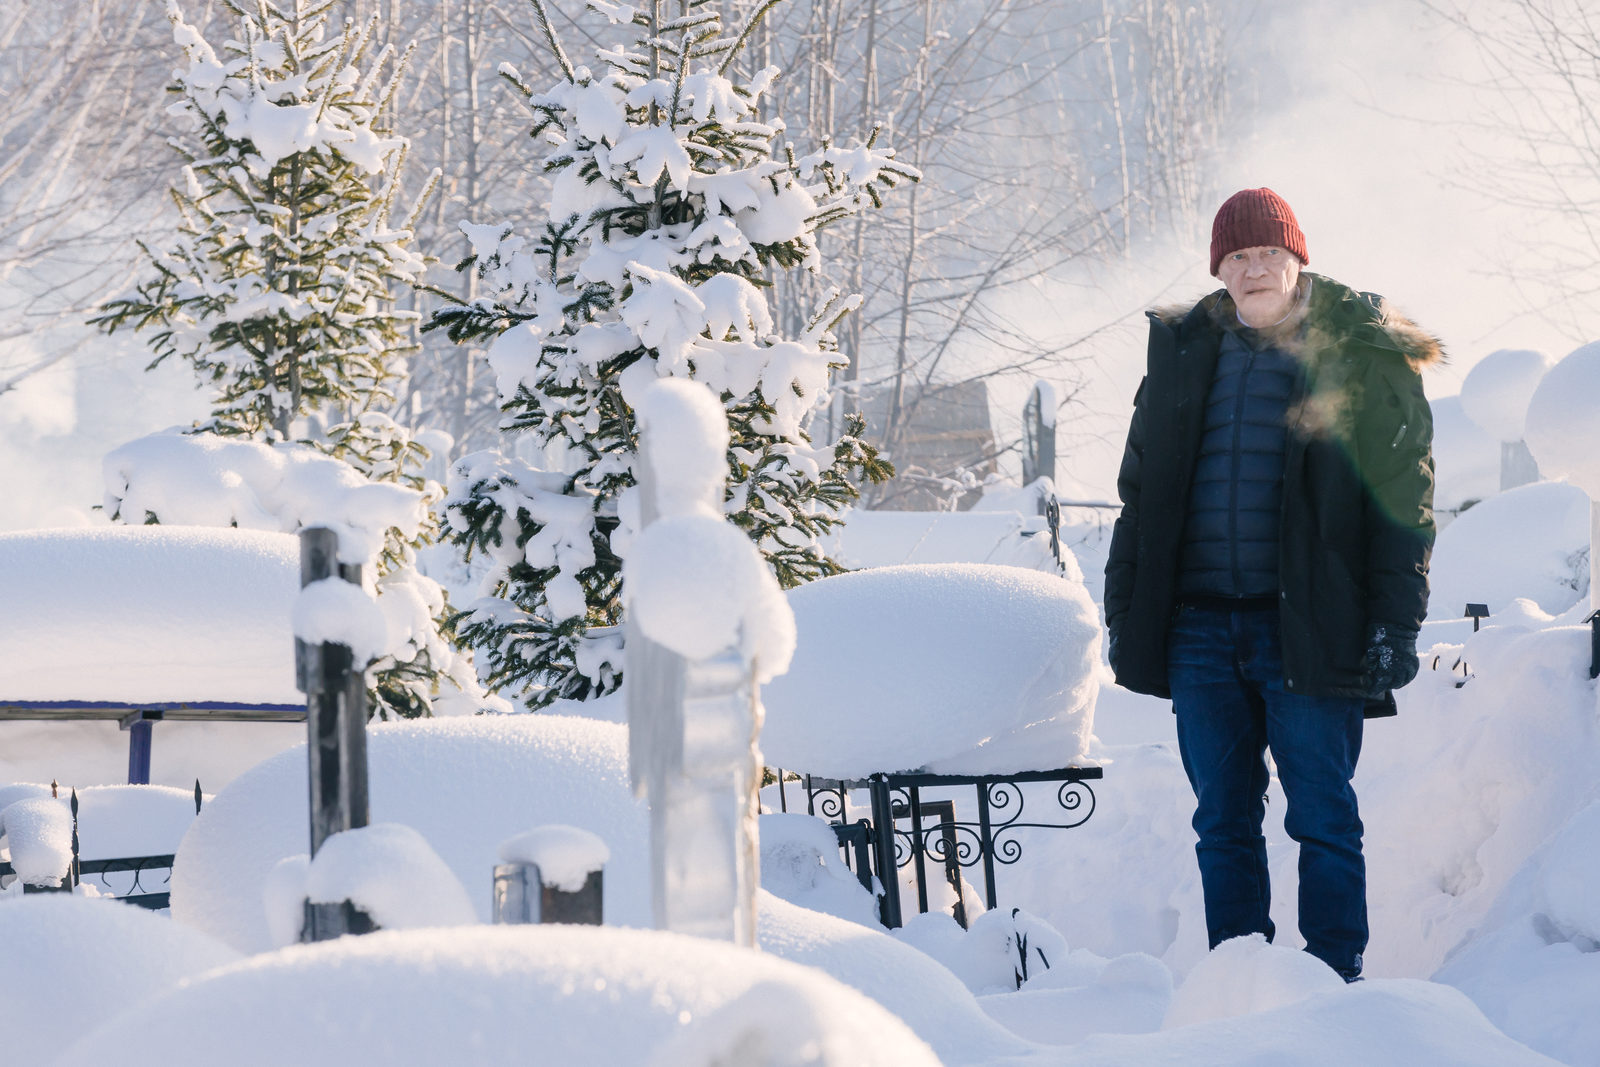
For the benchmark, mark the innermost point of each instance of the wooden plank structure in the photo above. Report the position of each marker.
(139, 719)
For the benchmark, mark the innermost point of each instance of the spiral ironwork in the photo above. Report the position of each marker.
(933, 834)
(827, 802)
(1073, 797)
(969, 843)
(136, 867)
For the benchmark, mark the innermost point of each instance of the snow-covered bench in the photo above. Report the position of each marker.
(143, 623)
(939, 677)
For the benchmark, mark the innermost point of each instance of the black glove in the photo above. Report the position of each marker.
(1391, 656)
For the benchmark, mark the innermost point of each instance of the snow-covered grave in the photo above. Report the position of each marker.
(939, 677)
(144, 623)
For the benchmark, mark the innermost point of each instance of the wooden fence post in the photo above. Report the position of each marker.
(336, 728)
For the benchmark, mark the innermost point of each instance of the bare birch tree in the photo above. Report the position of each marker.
(1540, 95)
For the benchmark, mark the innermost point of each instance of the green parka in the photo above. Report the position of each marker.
(1357, 526)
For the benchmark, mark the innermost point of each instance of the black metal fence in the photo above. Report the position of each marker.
(131, 879)
(878, 847)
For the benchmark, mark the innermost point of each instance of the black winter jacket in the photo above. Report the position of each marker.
(1357, 525)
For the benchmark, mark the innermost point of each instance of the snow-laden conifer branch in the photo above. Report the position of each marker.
(556, 51)
(744, 35)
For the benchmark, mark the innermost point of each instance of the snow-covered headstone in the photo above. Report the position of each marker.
(387, 874)
(1495, 395)
(707, 623)
(1564, 435)
(1039, 433)
(550, 874)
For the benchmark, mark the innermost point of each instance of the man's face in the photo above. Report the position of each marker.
(1261, 281)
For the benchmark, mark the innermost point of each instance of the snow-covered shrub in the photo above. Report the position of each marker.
(673, 199)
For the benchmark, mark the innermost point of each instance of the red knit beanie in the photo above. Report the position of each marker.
(1254, 218)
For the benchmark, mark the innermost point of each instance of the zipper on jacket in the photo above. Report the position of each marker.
(1399, 436)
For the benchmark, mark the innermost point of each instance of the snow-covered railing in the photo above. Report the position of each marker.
(959, 675)
(936, 834)
(42, 836)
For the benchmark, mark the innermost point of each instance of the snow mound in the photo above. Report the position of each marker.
(1394, 1021)
(558, 994)
(1001, 529)
(1563, 434)
(148, 613)
(1496, 391)
(1465, 785)
(772, 1025)
(1536, 970)
(1570, 876)
(38, 833)
(71, 963)
(800, 864)
(1466, 459)
(464, 784)
(1246, 975)
(925, 995)
(1085, 994)
(388, 871)
(994, 952)
(957, 668)
(1548, 522)
(132, 820)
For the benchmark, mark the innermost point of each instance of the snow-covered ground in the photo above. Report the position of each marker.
(1482, 820)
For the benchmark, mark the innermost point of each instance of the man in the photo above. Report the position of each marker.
(1268, 572)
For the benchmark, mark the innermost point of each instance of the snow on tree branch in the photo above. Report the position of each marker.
(673, 202)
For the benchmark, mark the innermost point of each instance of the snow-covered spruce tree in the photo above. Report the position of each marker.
(277, 284)
(672, 200)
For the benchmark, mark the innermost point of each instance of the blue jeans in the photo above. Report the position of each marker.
(1226, 672)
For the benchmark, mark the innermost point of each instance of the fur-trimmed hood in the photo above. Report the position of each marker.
(1334, 307)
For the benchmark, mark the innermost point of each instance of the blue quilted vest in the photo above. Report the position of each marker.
(1231, 532)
